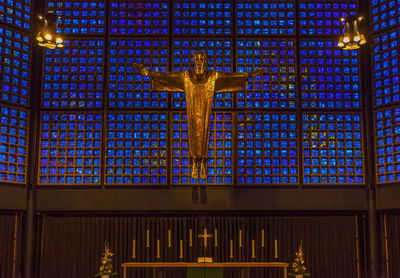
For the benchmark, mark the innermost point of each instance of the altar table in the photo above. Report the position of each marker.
(246, 265)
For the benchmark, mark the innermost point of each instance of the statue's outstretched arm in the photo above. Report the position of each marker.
(235, 81)
(258, 71)
(162, 81)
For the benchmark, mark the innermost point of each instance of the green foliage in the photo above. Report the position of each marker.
(297, 266)
(106, 263)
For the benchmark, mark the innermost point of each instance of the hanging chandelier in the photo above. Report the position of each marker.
(47, 37)
(352, 38)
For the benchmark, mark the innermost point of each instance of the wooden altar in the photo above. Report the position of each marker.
(244, 265)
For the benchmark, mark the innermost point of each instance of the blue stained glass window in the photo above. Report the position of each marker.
(220, 165)
(196, 17)
(387, 142)
(136, 148)
(79, 17)
(70, 149)
(16, 13)
(330, 76)
(73, 75)
(220, 58)
(332, 148)
(277, 88)
(127, 88)
(139, 17)
(13, 145)
(265, 18)
(385, 68)
(323, 17)
(385, 13)
(267, 149)
(15, 66)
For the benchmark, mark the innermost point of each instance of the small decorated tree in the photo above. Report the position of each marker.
(106, 263)
(298, 268)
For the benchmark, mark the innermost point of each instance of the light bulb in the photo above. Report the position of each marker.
(340, 44)
(39, 38)
(59, 40)
(48, 37)
(357, 38)
(346, 39)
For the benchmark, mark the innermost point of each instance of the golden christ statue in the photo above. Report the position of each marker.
(199, 86)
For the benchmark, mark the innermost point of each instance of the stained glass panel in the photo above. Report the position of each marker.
(73, 75)
(15, 66)
(387, 141)
(265, 18)
(139, 17)
(385, 13)
(79, 17)
(199, 17)
(332, 148)
(220, 58)
(136, 148)
(13, 145)
(16, 13)
(385, 68)
(70, 149)
(220, 165)
(267, 149)
(323, 17)
(330, 76)
(127, 88)
(277, 88)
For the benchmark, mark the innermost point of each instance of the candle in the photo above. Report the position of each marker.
(262, 238)
(276, 249)
(158, 248)
(134, 249)
(253, 255)
(231, 249)
(181, 249)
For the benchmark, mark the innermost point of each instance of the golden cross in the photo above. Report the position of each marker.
(205, 236)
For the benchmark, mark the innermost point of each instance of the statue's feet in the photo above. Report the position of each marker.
(195, 171)
(203, 174)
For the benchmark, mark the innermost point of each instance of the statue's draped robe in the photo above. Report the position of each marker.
(199, 99)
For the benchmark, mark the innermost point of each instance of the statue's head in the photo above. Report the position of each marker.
(200, 61)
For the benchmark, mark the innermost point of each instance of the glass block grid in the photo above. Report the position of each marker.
(127, 88)
(220, 58)
(267, 148)
(13, 145)
(256, 17)
(219, 153)
(139, 17)
(194, 17)
(70, 148)
(387, 141)
(384, 13)
(15, 65)
(385, 68)
(16, 13)
(277, 88)
(330, 77)
(73, 75)
(136, 148)
(332, 148)
(79, 17)
(323, 17)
